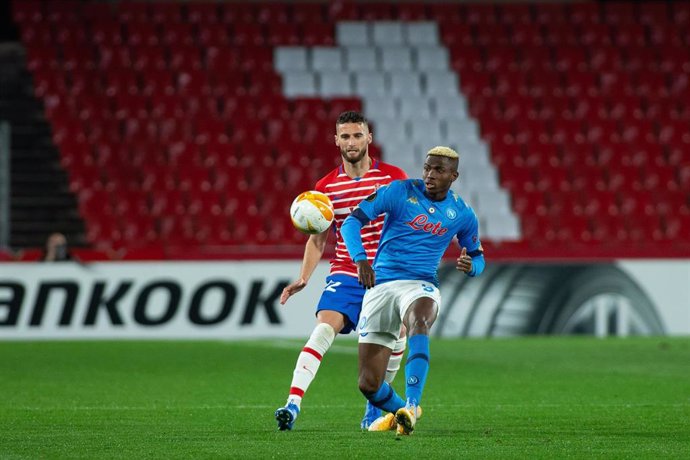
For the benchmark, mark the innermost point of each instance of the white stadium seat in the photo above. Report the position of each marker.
(480, 178)
(326, 59)
(426, 130)
(405, 84)
(296, 84)
(390, 130)
(493, 201)
(335, 84)
(450, 107)
(290, 58)
(381, 107)
(412, 107)
(465, 130)
(429, 58)
(370, 84)
(361, 58)
(441, 83)
(501, 227)
(350, 33)
(395, 58)
(421, 33)
(387, 33)
(472, 154)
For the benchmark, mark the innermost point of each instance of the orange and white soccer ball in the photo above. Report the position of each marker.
(312, 212)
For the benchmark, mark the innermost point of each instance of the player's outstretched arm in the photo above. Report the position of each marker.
(313, 251)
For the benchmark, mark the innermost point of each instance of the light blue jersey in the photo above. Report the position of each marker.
(416, 231)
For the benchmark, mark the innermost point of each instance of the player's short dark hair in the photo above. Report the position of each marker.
(351, 116)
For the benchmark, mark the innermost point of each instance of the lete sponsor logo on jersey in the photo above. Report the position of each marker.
(421, 222)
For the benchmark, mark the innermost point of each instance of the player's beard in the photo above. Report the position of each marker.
(347, 156)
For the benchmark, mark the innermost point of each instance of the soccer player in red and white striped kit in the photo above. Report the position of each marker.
(341, 301)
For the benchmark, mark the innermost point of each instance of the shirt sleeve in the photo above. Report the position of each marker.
(381, 201)
(351, 231)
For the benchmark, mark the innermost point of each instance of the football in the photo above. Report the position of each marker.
(312, 212)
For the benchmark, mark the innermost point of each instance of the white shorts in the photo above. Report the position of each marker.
(384, 307)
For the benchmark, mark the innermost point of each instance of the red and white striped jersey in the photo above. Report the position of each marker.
(345, 194)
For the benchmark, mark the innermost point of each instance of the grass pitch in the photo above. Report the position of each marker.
(517, 398)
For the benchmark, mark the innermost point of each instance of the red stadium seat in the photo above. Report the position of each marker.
(529, 203)
(106, 33)
(134, 11)
(231, 13)
(318, 34)
(570, 58)
(455, 35)
(372, 11)
(601, 203)
(552, 13)
(411, 12)
(656, 13)
(608, 229)
(27, 11)
(308, 13)
(214, 35)
(257, 59)
(560, 34)
(167, 13)
(175, 34)
(619, 13)
(205, 13)
(491, 35)
(246, 34)
(273, 14)
(284, 35)
(501, 59)
(515, 13)
(527, 34)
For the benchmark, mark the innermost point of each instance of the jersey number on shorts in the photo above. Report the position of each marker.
(331, 285)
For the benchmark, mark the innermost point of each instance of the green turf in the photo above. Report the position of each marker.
(518, 398)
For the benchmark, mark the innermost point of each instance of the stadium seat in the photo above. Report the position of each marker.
(352, 34)
(570, 100)
(387, 33)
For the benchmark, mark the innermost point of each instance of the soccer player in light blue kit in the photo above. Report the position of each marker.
(422, 217)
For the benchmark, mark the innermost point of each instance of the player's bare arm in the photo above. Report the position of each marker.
(313, 251)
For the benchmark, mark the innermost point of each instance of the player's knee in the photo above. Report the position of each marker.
(419, 322)
(368, 384)
(419, 326)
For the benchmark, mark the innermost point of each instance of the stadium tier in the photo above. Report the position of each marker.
(188, 128)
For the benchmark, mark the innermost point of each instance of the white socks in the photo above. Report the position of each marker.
(395, 359)
(309, 360)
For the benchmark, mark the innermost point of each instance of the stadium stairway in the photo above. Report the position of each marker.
(41, 202)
